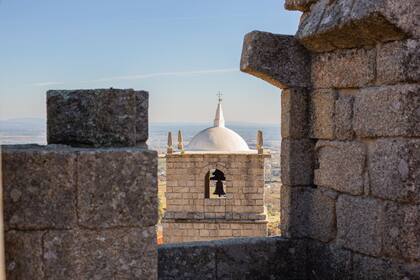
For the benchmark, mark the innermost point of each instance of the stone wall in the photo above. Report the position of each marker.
(211, 229)
(239, 258)
(351, 137)
(98, 117)
(82, 213)
(350, 166)
(189, 216)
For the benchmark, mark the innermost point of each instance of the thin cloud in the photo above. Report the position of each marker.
(167, 74)
(146, 76)
(43, 84)
(195, 18)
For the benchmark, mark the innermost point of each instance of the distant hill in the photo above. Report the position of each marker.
(23, 131)
(24, 124)
(33, 130)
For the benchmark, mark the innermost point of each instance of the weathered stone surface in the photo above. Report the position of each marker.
(327, 261)
(343, 68)
(387, 111)
(298, 5)
(211, 227)
(294, 113)
(322, 114)
(117, 187)
(187, 261)
(286, 210)
(259, 258)
(239, 258)
(308, 212)
(405, 14)
(39, 187)
(142, 116)
(333, 13)
(349, 24)
(398, 62)
(278, 59)
(24, 255)
(309, 22)
(340, 166)
(101, 117)
(394, 169)
(128, 253)
(367, 268)
(360, 223)
(331, 114)
(402, 231)
(343, 117)
(297, 162)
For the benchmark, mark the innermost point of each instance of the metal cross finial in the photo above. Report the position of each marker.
(220, 96)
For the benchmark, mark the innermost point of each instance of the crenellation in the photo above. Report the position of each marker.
(99, 117)
(83, 212)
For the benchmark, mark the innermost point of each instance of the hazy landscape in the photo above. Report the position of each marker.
(33, 131)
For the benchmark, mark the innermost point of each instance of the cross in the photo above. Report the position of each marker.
(220, 96)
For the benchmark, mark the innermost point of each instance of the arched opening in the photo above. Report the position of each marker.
(214, 187)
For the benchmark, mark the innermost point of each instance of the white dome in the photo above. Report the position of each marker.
(218, 138)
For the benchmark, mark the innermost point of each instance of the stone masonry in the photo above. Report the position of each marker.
(351, 133)
(86, 212)
(98, 118)
(233, 259)
(350, 166)
(190, 216)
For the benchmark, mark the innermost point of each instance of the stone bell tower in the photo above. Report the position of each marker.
(215, 186)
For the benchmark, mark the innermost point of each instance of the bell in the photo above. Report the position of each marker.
(218, 175)
(219, 189)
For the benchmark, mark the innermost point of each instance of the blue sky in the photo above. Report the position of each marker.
(181, 51)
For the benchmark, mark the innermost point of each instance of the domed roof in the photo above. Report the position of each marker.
(218, 137)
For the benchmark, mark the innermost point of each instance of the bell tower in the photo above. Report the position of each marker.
(215, 186)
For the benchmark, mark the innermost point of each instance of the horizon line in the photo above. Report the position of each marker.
(154, 122)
